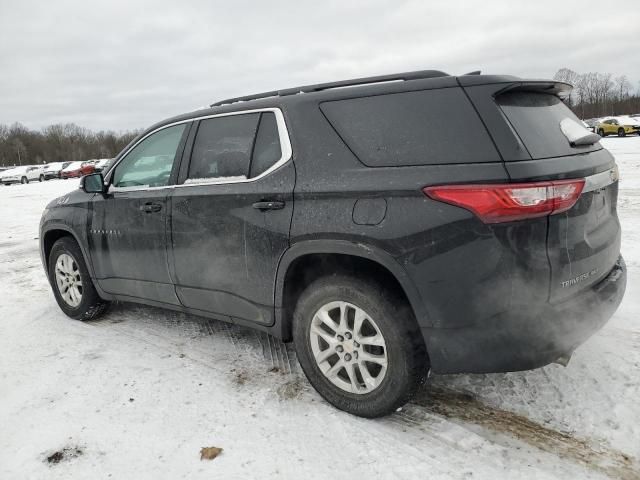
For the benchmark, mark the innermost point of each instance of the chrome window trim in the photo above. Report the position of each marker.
(283, 134)
(600, 180)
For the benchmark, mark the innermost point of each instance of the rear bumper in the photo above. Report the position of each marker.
(527, 337)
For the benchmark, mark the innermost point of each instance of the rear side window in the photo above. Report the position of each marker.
(222, 148)
(234, 147)
(428, 127)
(266, 151)
(536, 118)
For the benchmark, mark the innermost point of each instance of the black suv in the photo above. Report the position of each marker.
(388, 226)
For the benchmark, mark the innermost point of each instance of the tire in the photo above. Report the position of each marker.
(601, 132)
(90, 305)
(24, 180)
(41, 178)
(621, 132)
(406, 356)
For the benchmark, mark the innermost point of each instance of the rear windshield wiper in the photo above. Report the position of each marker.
(577, 134)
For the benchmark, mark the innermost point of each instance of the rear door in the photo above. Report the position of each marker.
(231, 214)
(583, 243)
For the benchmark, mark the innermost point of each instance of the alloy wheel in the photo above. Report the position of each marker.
(68, 280)
(348, 347)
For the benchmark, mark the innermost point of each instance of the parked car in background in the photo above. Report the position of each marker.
(591, 124)
(53, 170)
(23, 174)
(620, 126)
(78, 169)
(103, 164)
(355, 220)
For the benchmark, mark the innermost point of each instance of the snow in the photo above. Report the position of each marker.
(207, 180)
(142, 390)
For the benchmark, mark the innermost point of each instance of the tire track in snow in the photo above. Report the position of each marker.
(462, 407)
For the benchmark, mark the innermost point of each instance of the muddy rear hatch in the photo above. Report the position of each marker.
(541, 140)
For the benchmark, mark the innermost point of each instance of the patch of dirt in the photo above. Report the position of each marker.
(241, 377)
(464, 407)
(290, 390)
(65, 454)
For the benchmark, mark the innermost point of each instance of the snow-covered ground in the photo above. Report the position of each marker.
(139, 392)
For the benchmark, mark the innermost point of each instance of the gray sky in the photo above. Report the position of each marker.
(122, 65)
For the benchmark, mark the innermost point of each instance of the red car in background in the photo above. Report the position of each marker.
(78, 169)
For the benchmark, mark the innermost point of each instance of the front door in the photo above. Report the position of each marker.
(231, 214)
(128, 225)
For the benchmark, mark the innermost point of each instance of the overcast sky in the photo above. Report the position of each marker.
(122, 65)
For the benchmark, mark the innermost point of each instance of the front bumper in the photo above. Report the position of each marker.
(527, 337)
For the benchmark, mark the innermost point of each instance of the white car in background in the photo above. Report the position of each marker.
(23, 174)
(53, 170)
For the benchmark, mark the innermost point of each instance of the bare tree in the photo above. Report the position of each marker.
(623, 87)
(20, 150)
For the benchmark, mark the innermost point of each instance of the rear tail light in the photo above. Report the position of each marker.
(512, 201)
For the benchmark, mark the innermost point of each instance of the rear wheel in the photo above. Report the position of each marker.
(24, 180)
(601, 132)
(41, 179)
(359, 345)
(621, 132)
(71, 283)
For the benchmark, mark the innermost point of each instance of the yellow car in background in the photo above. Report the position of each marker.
(620, 126)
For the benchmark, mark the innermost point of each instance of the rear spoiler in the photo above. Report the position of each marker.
(508, 83)
(559, 89)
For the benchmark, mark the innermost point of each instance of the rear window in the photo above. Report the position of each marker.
(536, 118)
(428, 127)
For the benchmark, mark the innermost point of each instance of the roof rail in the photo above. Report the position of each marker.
(421, 74)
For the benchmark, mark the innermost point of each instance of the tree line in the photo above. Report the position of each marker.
(600, 94)
(58, 143)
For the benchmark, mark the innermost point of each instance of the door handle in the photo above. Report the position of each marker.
(269, 205)
(151, 207)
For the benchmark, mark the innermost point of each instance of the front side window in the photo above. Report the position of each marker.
(150, 162)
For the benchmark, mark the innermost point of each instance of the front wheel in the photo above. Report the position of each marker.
(601, 132)
(621, 132)
(41, 178)
(71, 283)
(24, 180)
(359, 345)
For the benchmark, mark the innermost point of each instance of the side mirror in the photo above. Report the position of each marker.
(92, 183)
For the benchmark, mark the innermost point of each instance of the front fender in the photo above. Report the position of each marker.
(55, 226)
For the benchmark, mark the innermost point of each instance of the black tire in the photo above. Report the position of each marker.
(91, 305)
(408, 363)
(621, 132)
(601, 132)
(24, 180)
(41, 178)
